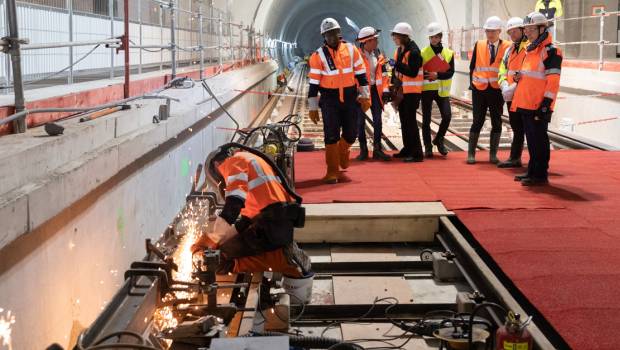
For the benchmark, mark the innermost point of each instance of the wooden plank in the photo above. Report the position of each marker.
(356, 331)
(366, 210)
(387, 253)
(364, 290)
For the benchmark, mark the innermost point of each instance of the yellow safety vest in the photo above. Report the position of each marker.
(442, 86)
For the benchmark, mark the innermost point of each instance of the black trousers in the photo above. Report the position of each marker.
(339, 119)
(427, 106)
(518, 134)
(409, 125)
(538, 145)
(377, 111)
(487, 100)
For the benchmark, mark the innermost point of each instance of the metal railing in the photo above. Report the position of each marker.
(191, 35)
(462, 40)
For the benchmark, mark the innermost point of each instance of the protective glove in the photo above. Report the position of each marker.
(203, 242)
(314, 116)
(386, 97)
(508, 90)
(364, 103)
(544, 112)
(392, 62)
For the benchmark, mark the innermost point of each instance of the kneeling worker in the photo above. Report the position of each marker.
(438, 64)
(254, 231)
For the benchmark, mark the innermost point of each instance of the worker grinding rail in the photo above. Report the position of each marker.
(336, 71)
(538, 83)
(254, 230)
(486, 93)
(438, 65)
(377, 76)
(407, 82)
(508, 69)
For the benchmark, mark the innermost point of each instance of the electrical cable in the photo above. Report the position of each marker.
(58, 72)
(147, 50)
(208, 89)
(372, 307)
(142, 345)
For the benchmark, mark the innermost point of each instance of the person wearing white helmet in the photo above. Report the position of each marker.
(438, 64)
(377, 76)
(336, 71)
(508, 69)
(486, 93)
(407, 81)
(534, 99)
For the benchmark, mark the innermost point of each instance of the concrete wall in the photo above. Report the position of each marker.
(57, 278)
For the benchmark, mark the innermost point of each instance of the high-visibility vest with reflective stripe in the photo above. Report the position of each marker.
(348, 63)
(250, 178)
(511, 63)
(411, 85)
(486, 72)
(382, 78)
(537, 82)
(442, 86)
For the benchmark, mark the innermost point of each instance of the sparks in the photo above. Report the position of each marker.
(6, 322)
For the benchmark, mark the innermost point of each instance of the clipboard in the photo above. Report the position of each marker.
(436, 64)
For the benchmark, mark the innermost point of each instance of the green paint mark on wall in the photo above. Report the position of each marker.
(120, 224)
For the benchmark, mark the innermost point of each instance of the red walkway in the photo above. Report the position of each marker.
(559, 244)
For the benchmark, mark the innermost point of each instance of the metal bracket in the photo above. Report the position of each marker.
(8, 43)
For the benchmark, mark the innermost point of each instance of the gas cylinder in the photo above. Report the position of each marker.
(513, 335)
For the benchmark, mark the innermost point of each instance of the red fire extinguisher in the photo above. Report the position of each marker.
(513, 335)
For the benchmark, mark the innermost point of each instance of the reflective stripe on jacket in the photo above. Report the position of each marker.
(485, 72)
(442, 86)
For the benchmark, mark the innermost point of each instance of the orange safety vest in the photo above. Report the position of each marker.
(486, 72)
(514, 62)
(251, 179)
(336, 69)
(411, 85)
(382, 79)
(536, 81)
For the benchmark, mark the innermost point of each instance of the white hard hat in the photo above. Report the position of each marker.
(329, 24)
(535, 19)
(368, 33)
(514, 22)
(493, 23)
(403, 28)
(433, 29)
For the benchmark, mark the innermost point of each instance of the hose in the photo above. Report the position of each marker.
(304, 341)
(346, 346)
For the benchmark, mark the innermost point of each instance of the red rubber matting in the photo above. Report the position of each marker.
(559, 244)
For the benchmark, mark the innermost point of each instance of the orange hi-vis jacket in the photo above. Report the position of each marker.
(485, 73)
(336, 69)
(540, 76)
(382, 80)
(251, 179)
(411, 85)
(514, 62)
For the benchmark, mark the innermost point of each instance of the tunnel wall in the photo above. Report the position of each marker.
(57, 279)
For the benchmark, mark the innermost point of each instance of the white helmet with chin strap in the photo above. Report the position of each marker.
(493, 23)
(514, 22)
(329, 24)
(433, 29)
(368, 33)
(403, 28)
(535, 19)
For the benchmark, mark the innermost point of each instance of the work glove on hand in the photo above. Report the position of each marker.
(391, 62)
(203, 242)
(364, 103)
(313, 107)
(386, 97)
(544, 111)
(314, 116)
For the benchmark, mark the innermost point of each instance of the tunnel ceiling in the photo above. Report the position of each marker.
(299, 21)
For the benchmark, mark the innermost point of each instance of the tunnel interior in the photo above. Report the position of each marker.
(299, 21)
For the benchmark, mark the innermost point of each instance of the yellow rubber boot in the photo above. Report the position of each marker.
(344, 150)
(332, 160)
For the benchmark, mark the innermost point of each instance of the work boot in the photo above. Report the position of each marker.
(495, 136)
(510, 163)
(332, 159)
(521, 177)
(440, 146)
(296, 256)
(471, 148)
(428, 150)
(363, 154)
(532, 181)
(378, 154)
(344, 150)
